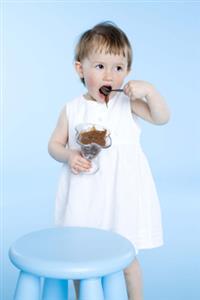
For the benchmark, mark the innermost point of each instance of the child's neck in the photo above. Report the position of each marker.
(87, 96)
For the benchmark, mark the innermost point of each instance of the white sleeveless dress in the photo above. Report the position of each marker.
(121, 196)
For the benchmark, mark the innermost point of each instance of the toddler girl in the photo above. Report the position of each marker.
(121, 195)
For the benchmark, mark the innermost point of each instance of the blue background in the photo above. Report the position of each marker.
(39, 77)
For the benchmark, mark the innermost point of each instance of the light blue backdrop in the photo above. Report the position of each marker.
(38, 78)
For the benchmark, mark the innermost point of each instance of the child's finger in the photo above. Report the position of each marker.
(85, 166)
(75, 171)
(84, 162)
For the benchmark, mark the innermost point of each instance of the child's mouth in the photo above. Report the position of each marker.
(105, 90)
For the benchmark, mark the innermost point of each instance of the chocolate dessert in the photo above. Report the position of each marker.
(93, 136)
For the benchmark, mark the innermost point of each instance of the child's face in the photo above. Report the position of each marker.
(100, 69)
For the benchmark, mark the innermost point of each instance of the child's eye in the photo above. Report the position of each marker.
(99, 66)
(118, 68)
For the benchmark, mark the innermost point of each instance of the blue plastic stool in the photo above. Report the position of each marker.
(95, 257)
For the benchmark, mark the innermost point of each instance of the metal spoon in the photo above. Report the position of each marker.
(106, 90)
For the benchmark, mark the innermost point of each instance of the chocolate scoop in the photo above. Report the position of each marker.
(93, 136)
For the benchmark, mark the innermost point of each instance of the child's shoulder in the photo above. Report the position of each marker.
(74, 101)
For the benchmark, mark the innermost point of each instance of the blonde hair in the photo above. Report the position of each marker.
(107, 37)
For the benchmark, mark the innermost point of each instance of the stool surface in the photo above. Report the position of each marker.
(72, 252)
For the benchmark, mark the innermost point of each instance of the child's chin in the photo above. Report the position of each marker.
(101, 98)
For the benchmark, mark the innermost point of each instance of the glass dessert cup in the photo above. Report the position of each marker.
(91, 150)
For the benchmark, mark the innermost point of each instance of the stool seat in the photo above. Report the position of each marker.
(71, 252)
(96, 257)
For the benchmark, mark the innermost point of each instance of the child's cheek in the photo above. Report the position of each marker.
(119, 81)
(90, 81)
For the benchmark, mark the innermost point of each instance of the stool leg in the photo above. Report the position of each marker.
(91, 289)
(55, 289)
(28, 287)
(114, 287)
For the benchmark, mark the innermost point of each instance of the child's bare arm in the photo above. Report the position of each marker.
(146, 102)
(59, 138)
(57, 147)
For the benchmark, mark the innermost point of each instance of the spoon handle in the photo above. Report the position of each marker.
(117, 90)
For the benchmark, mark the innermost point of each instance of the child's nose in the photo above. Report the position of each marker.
(108, 75)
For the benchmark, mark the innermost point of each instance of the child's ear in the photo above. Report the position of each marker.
(79, 68)
(128, 72)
